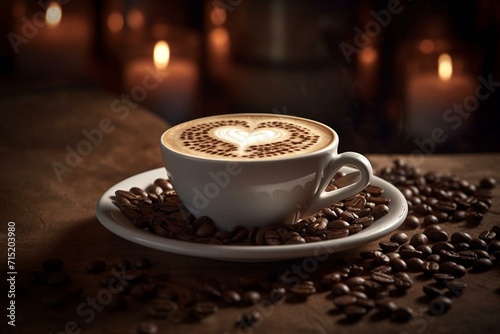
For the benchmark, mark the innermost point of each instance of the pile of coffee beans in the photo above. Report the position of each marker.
(374, 282)
(158, 209)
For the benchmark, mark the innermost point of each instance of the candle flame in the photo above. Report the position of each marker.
(54, 14)
(115, 22)
(161, 55)
(445, 69)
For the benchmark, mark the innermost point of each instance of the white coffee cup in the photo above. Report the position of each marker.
(263, 188)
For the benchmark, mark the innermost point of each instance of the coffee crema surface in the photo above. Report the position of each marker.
(244, 136)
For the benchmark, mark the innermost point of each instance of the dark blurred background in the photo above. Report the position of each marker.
(388, 76)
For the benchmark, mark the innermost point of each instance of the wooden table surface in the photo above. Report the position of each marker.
(51, 198)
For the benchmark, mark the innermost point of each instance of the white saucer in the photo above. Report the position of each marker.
(112, 218)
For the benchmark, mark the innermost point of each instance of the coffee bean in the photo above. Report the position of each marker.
(337, 233)
(430, 220)
(356, 280)
(487, 183)
(374, 190)
(411, 221)
(387, 308)
(380, 210)
(354, 228)
(96, 266)
(340, 289)
(148, 328)
(487, 236)
(418, 239)
(431, 228)
(493, 246)
(231, 297)
(459, 237)
(355, 311)
(437, 247)
(205, 308)
(483, 193)
(408, 253)
(366, 221)
(425, 249)
(304, 289)
(414, 264)
(445, 206)
(331, 278)
(356, 202)
(443, 278)
(431, 291)
(277, 294)
(456, 288)
(433, 258)
(337, 224)
(422, 210)
(399, 238)
(437, 236)
(382, 278)
(478, 244)
(53, 265)
(249, 319)
(481, 265)
(271, 237)
(459, 216)
(439, 305)
(345, 300)
(251, 297)
(389, 246)
(402, 281)
(467, 258)
(348, 216)
(452, 268)
(382, 269)
(397, 265)
(474, 218)
(430, 268)
(403, 314)
(449, 256)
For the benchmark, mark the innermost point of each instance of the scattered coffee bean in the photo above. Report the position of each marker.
(452, 268)
(414, 264)
(304, 289)
(387, 308)
(402, 281)
(439, 305)
(412, 221)
(418, 239)
(382, 278)
(249, 319)
(456, 288)
(355, 311)
(400, 238)
(251, 297)
(430, 268)
(431, 291)
(437, 235)
(487, 183)
(459, 237)
(482, 264)
(345, 300)
(340, 289)
(403, 314)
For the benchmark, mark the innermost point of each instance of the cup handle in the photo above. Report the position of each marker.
(322, 198)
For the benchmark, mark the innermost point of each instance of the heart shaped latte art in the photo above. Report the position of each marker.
(243, 138)
(248, 139)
